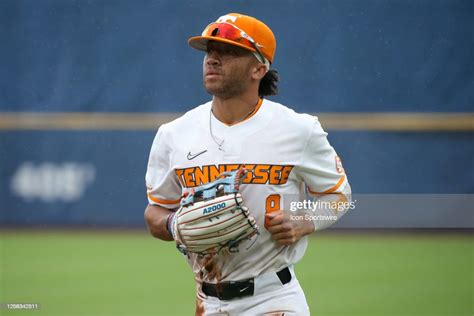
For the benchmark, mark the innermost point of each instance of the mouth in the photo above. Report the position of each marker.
(211, 73)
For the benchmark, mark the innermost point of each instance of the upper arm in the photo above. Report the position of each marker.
(163, 187)
(321, 168)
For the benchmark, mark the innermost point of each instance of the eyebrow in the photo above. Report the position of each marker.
(231, 49)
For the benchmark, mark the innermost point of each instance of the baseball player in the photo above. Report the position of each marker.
(285, 156)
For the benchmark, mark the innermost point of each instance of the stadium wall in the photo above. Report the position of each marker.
(402, 70)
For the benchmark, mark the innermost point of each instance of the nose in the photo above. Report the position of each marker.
(212, 58)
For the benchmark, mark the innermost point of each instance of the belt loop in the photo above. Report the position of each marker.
(284, 275)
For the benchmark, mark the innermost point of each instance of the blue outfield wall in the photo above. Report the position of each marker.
(97, 178)
(132, 56)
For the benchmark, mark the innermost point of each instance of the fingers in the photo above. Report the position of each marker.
(277, 222)
(283, 235)
(282, 229)
(286, 242)
(275, 218)
(285, 238)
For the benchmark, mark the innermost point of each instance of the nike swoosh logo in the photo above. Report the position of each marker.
(192, 156)
(243, 289)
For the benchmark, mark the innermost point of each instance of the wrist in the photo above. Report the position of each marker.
(311, 227)
(307, 227)
(307, 223)
(169, 224)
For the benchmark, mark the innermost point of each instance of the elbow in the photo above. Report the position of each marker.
(156, 223)
(154, 232)
(151, 223)
(347, 190)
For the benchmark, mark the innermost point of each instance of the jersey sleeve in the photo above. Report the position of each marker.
(321, 168)
(163, 187)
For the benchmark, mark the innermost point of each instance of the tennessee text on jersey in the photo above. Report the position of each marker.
(258, 174)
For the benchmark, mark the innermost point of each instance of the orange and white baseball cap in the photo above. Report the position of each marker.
(239, 30)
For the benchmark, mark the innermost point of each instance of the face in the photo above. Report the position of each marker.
(227, 69)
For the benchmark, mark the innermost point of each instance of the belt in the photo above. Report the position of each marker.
(235, 289)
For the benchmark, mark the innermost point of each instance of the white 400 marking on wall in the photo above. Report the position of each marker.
(51, 182)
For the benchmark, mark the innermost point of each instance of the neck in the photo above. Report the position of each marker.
(233, 110)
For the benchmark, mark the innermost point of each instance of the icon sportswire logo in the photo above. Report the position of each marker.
(192, 156)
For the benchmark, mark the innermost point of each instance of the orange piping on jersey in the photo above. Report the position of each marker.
(330, 190)
(257, 107)
(259, 104)
(160, 201)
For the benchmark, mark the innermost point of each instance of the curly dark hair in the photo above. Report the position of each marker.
(268, 84)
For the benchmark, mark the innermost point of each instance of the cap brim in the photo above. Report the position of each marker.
(200, 42)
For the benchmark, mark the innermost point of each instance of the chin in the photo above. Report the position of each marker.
(212, 88)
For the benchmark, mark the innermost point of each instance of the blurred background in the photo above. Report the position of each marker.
(84, 85)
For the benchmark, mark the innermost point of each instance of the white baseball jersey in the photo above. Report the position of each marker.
(289, 156)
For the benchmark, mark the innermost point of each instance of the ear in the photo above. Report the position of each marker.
(259, 71)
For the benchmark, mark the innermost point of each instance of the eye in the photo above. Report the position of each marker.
(229, 51)
(235, 51)
(226, 50)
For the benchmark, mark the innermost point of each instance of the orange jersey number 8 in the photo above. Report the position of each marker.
(272, 204)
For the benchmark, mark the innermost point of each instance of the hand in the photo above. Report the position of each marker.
(287, 231)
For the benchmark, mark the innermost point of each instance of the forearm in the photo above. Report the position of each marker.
(324, 217)
(155, 218)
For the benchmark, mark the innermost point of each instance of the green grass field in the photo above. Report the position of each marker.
(130, 273)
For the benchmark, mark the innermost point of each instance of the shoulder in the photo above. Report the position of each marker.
(288, 118)
(190, 118)
(170, 132)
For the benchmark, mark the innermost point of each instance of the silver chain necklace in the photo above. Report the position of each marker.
(214, 138)
(219, 145)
